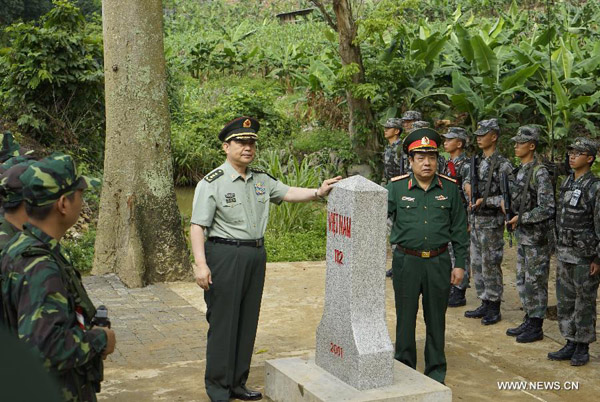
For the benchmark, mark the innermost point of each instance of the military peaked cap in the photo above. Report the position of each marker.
(422, 140)
(242, 128)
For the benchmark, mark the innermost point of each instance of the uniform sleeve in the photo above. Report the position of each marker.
(204, 204)
(391, 201)
(505, 168)
(48, 323)
(458, 229)
(597, 220)
(277, 191)
(545, 199)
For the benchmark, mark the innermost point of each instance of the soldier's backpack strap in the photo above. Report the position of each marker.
(214, 175)
(257, 170)
(525, 192)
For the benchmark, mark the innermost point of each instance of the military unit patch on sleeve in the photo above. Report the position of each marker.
(214, 175)
(404, 176)
(257, 170)
(447, 178)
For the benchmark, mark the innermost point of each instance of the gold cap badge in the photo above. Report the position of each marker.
(247, 123)
(425, 141)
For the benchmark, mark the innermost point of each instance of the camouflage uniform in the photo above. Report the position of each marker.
(487, 230)
(392, 160)
(11, 193)
(533, 229)
(458, 169)
(44, 299)
(10, 148)
(578, 244)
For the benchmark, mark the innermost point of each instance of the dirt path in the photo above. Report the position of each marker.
(164, 359)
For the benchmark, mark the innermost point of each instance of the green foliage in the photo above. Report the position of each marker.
(296, 246)
(81, 250)
(51, 81)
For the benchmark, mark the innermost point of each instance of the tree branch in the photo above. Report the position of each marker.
(321, 7)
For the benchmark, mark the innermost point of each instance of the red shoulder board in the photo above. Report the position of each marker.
(404, 176)
(447, 178)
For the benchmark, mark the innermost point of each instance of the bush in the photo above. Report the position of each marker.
(81, 250)
(51, 81)
(296, 246)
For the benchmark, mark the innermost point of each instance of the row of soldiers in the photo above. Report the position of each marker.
(542, 219)
(42, 299)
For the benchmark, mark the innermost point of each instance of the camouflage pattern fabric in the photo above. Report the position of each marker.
(50, 178)
(461, 168)
(576, 292)
(11, 186)
(577, 245)
(42, 294)
(392, 160)
(14, 160)
(533, 267)
(487, 250)
(578, 219)
(10, 148)
(7, 232)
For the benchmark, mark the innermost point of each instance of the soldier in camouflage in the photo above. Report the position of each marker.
(578, 254)
(487, 225)
(45, 303)
(392, 165)
(456, 140)
(11, 148)
(533, 206)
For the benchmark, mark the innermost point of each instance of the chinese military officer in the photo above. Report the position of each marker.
(229, 218)
(428, 213)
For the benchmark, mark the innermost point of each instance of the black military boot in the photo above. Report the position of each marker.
(565, 353)
(492, 314)
(581, 355)
(457, 297)
(478, 312)
(533, 332)
(518, 330)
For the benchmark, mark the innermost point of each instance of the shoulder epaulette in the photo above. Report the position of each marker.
(447, 178)
(404, 176)
(257, 170)
(214, 175)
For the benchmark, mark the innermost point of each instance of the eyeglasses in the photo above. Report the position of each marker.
(576, 154)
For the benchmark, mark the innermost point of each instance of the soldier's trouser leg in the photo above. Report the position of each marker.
(492, 248)
(413, 276)
(533, 267)
(576, 293)
(233, 306)
(475, 252)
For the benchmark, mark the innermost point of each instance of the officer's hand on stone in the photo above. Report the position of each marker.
(111, 341)
(513, 221)
(203, 276)
(594, 268)
(327, 185)
(457, 276)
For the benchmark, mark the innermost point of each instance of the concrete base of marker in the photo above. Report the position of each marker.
(301, 380)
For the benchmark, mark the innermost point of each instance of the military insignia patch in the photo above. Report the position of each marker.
(229, 198)
(247, 123)
(425, 141)
(441, 198)
(410, 199)
(260, 188)
(212, 176)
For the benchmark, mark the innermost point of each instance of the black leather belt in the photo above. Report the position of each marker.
(422, 253)
(235, 242)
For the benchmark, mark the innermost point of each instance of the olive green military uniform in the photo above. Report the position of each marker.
(424, 221)
(231, 208)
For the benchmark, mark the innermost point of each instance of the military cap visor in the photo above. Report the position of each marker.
(243, 128)
(584, 145)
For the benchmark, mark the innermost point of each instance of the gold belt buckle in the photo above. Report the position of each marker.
(425, 254)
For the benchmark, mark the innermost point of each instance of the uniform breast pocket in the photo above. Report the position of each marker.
(441, 208)
(407, 212)
(233, 211)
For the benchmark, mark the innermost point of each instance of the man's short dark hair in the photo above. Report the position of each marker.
(11, 207)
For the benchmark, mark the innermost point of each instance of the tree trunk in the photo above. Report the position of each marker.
(362, 125)
(140, 235)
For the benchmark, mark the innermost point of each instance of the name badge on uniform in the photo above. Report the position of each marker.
(229, 198)
(575, 197)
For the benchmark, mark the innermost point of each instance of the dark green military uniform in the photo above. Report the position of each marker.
(425, 221)
(234, 212)
(43, 298)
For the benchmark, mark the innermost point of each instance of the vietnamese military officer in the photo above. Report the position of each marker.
(232, 204)
(428, 213)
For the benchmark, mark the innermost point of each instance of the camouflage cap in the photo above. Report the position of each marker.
(48, 179)
(583, 144)
(393, 122)
(420, 124)
(11, 186)
(457, 132)
(10, 147)
(485, 126)
(14, 161)
(412, 115)
(526, 134)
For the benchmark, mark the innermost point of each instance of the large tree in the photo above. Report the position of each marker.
(140, 234)
(362, 125)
